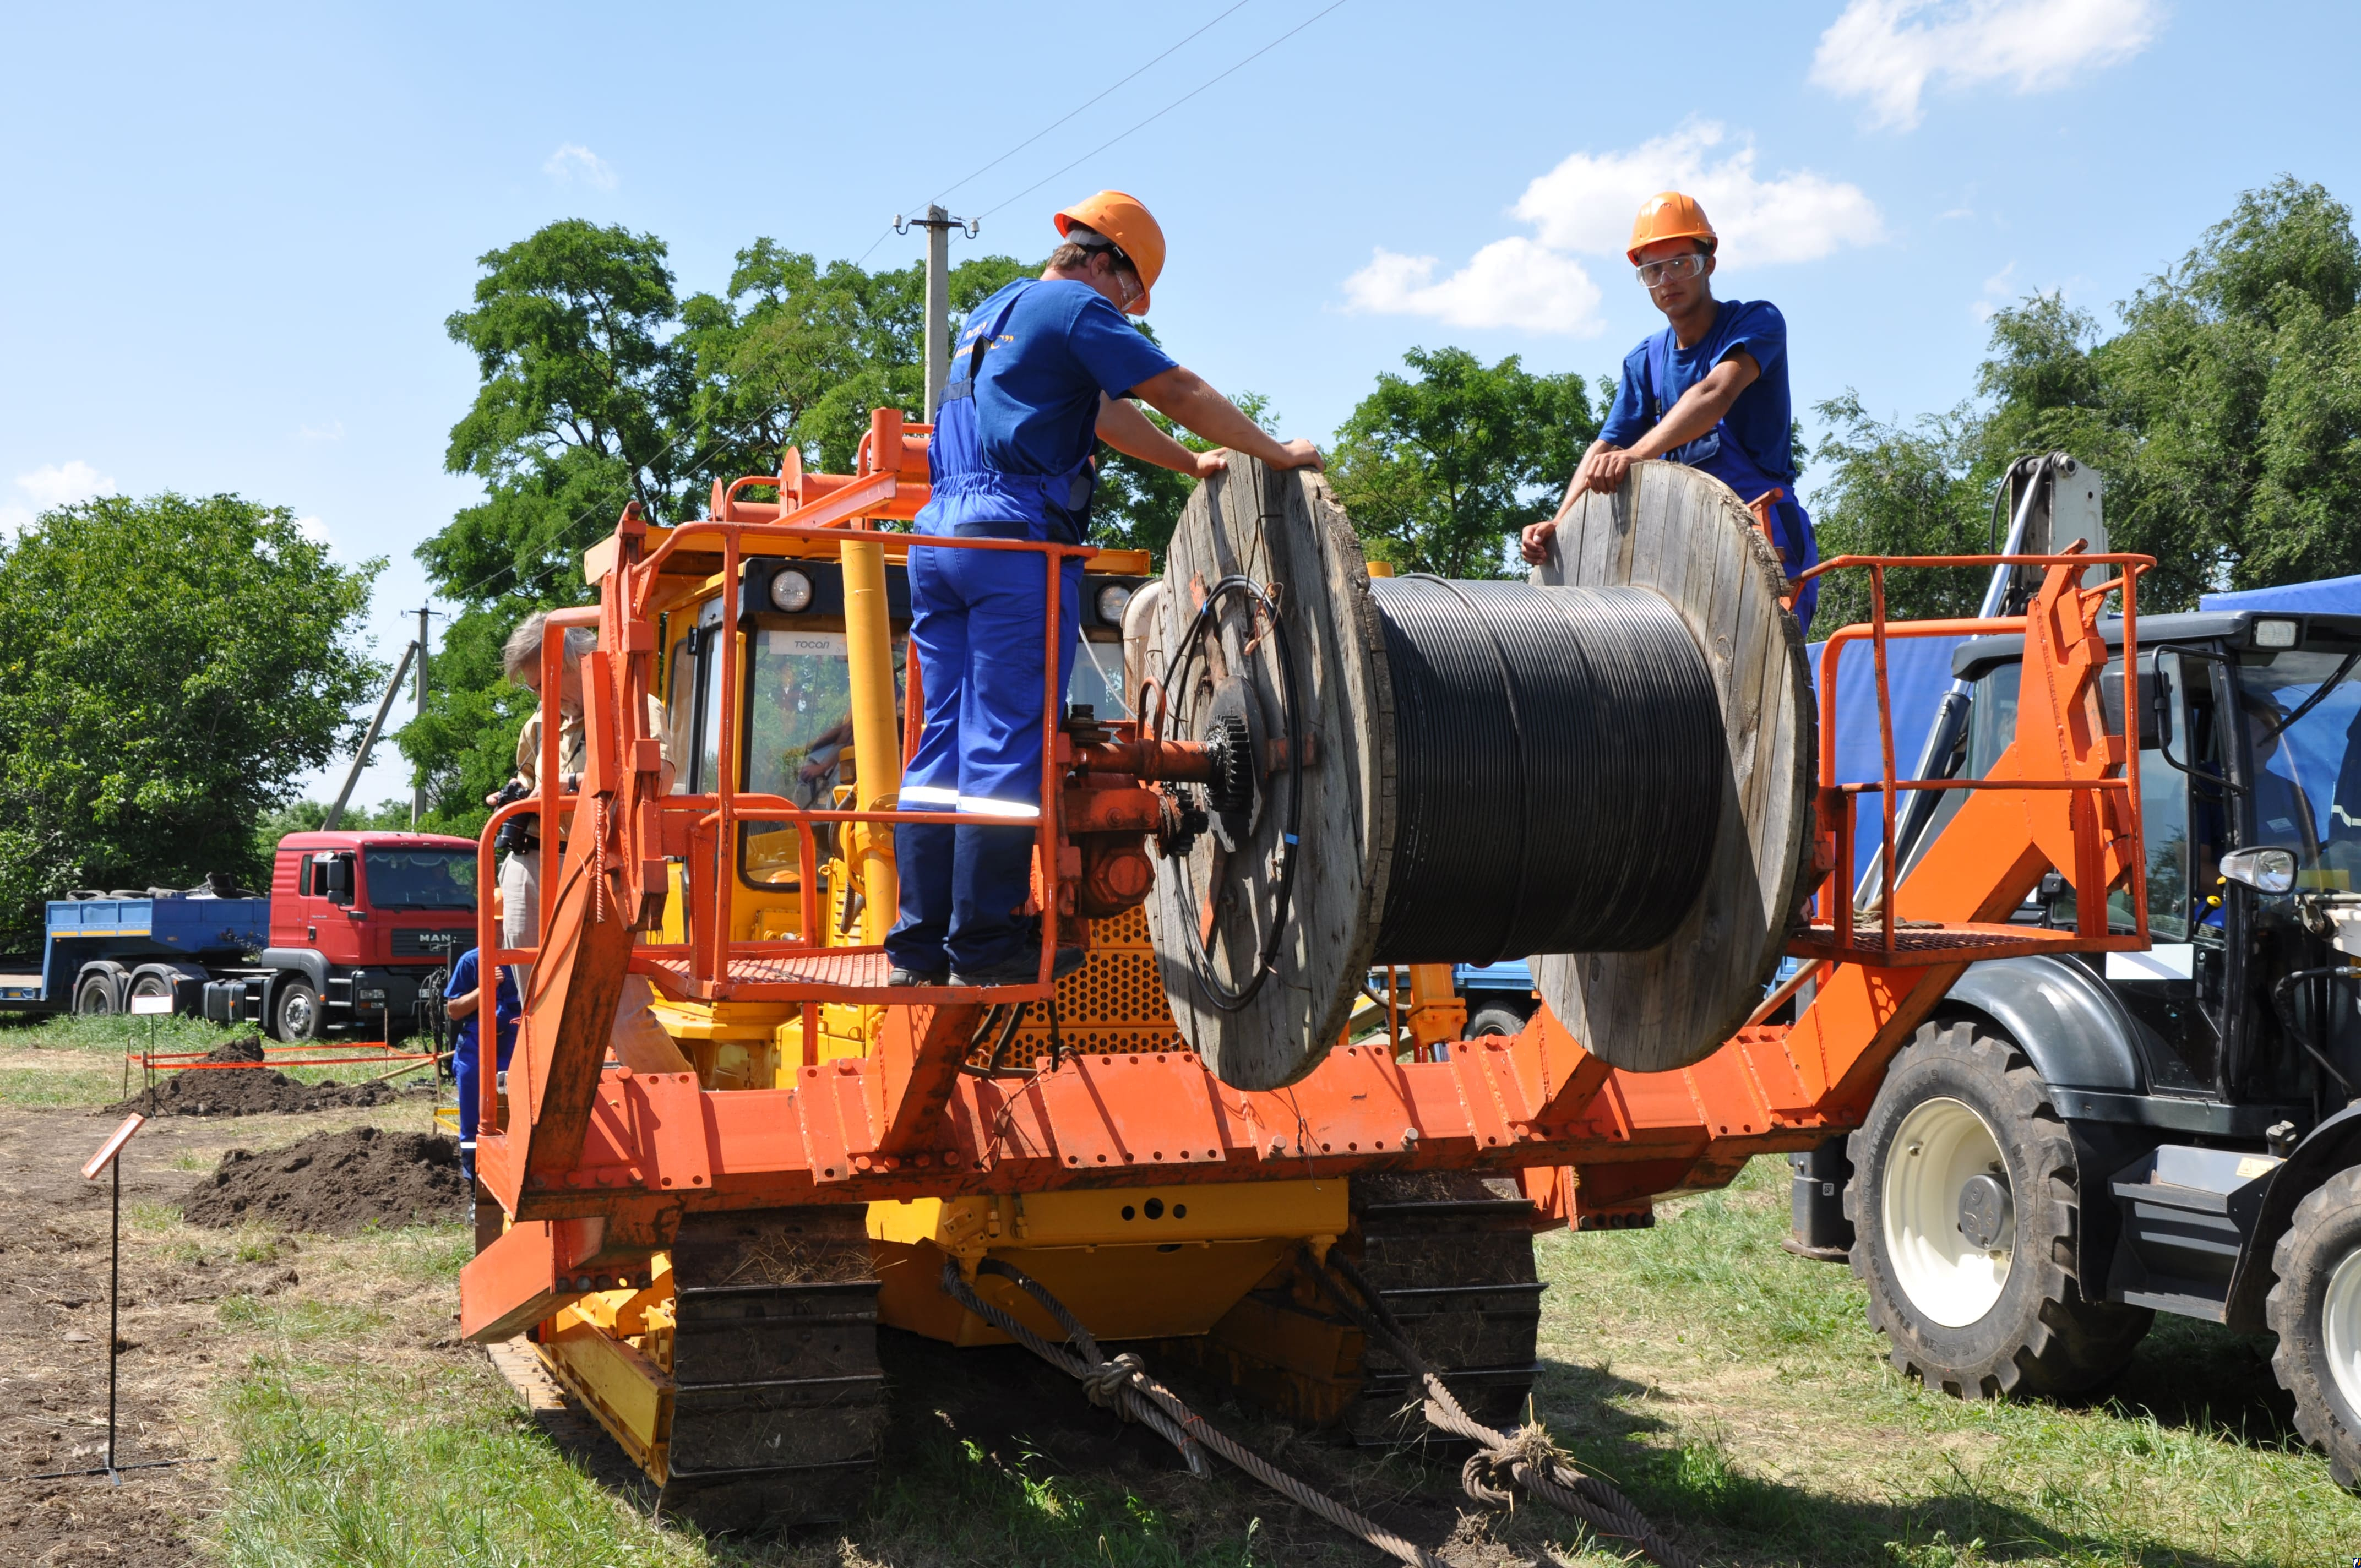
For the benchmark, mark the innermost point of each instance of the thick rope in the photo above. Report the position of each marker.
(1124, 1386)
(1526, 1457)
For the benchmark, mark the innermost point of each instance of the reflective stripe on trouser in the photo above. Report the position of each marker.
(975, 623)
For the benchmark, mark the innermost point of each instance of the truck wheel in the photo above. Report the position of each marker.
(1964, 1209)
(1496, 1020)
(295, 1012)
(95, 994)
(151, 985)
(2315, 1308)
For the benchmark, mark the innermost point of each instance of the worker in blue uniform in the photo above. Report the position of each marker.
(1039, 375)
(463, 999)
(1710, 391)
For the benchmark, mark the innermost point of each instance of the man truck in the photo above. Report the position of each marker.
(354, 923)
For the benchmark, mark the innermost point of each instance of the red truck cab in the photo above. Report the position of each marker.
(358, 921)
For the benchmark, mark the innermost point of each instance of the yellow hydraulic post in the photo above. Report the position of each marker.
(876, 738)
(1436, 1014)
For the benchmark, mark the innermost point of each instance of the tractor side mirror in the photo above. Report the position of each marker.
(2266, 870)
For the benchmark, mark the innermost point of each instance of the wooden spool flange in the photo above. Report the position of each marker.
(1285, 531)
(1670, 529)
(1687, 536)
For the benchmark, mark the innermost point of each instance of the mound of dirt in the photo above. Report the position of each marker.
(246, 1092)
(334, 1183)
(246, 1048)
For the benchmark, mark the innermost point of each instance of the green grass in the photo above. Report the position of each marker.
(342, 1462)
(1735, 1393)
(1728, 1385)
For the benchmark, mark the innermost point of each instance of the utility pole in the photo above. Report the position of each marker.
(939, 224)
(418, 787)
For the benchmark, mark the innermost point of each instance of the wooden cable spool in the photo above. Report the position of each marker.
(1671, 564)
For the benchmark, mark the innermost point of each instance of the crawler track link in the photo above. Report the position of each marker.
(1451, 1253)
(778, 1404)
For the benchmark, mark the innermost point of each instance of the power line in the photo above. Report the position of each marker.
(1166, 109)
(1062, 119)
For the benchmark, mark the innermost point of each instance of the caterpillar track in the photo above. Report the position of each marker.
(770, 1404)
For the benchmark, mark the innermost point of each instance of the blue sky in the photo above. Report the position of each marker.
(234, 237)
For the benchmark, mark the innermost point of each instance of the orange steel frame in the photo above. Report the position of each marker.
(599, 1163)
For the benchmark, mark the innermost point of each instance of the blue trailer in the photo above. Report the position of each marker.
(98, 953)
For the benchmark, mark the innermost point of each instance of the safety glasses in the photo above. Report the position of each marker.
(1672, 269)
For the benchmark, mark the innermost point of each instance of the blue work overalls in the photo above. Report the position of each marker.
(1717, 453)
(976, 623)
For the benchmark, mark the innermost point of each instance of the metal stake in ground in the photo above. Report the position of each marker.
(108, 1158)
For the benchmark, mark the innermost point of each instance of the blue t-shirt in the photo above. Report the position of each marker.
(1037, 392)
(1761, 421)
(505, 1006)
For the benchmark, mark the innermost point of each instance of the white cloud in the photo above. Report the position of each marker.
(314, 530)
(1888, 50)
(1586, 204)
(573, 161)
(63, 484)
(1509, 284)
(1997, 289)
(53, 484)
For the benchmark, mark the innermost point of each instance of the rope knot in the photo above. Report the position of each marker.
(1491, 1470)
(1105, 1383)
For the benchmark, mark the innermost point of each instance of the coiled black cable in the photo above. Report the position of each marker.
(1561, 763)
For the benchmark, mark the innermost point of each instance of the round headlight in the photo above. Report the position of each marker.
(1111, 600)
(791, 592)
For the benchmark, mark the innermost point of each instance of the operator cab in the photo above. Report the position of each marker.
(2249, 729)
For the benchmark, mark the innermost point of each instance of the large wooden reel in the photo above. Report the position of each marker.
(1283, 531)
(1687, 536)
(1670, 531)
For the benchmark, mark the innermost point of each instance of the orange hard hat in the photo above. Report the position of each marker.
(1122, 219)
(1668, 214)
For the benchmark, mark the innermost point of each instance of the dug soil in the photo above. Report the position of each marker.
(334, 1183)
(246, 1092)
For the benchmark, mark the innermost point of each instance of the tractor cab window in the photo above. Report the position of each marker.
(1097, 680)
(798, 739)
(680, 716)
(2302, 712)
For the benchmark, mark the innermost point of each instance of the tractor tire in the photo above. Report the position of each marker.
(95, 993)
(1496, 1020)
(2315, 1308)
(295, 1011)
(1965, 1210)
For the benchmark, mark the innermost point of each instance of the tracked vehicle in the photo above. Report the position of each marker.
(1283, 773)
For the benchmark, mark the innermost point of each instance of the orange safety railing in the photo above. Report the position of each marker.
(690, 823)
(1835, 901)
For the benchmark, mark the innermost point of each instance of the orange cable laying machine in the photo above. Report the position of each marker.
(703, 1257)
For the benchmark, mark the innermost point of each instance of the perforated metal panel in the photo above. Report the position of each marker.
(1113, 1005)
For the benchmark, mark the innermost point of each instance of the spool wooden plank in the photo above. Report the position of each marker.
(1286, 533)
(1685, 535)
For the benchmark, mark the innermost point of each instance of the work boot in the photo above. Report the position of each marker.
(1023, 969)
(900, 978)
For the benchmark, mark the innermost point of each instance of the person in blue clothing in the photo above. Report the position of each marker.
(463, 999)
(1709, 390)
(1041, 372)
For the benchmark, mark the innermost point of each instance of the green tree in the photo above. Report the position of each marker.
(2224, 415)
(168, 668)
(1902, 490)
(1440, 469)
